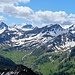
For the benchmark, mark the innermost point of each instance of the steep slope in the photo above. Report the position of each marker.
(6, 63)
(3, 27)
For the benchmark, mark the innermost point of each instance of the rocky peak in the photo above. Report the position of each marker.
(3, 25)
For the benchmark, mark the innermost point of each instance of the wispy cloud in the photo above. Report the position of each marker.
(14, 1)
(2, 18)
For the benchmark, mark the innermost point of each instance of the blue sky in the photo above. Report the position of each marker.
(52, 5)
(37, 12)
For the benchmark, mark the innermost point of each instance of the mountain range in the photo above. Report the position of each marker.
(26, 37)
(49, 49)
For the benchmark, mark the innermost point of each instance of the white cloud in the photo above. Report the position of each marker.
(2, 18)
(60, 17)
(13, 1)
(52, 17)
(18, 11)
(72, 18)
(44, 17)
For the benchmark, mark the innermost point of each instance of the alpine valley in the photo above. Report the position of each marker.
(49, 50)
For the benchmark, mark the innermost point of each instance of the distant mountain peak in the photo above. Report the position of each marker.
(27, 26)
(53, 27)
(56, 25)
(2, 25)
(72, 27)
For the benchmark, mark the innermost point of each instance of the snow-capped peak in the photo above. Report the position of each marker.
(23, 26)
(3, 25)
(27, 35)
(72, 27)
(28, 26)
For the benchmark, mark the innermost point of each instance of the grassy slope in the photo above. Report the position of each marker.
(42, 63)
(16, 56)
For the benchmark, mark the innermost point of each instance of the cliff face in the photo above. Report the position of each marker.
(18, 70)
(8, 67)
(6, 63)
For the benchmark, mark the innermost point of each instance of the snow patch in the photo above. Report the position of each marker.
(68, 44)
